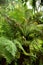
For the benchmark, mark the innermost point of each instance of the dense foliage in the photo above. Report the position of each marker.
(21, 33)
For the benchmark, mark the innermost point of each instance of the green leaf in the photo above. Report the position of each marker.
(20, 47)
(7, 49)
